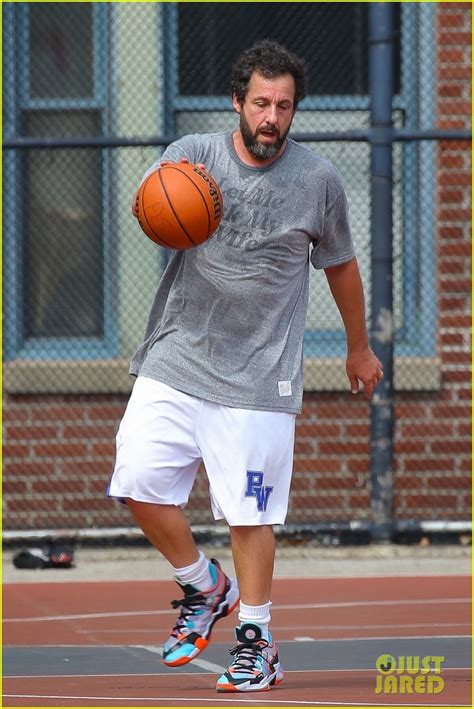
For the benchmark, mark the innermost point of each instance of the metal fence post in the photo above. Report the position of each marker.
(381, 93)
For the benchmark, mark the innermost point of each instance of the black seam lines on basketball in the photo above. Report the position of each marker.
(201, 196)
(158, 236)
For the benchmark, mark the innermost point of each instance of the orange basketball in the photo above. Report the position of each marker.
(179, 206)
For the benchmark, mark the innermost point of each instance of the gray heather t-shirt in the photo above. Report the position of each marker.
(228, 318)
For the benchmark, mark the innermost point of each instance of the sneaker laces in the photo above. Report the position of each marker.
(189, 606)
(247, 655)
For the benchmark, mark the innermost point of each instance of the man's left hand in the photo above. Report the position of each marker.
(363, 366)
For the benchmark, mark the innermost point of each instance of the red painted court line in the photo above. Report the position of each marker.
(315, 688)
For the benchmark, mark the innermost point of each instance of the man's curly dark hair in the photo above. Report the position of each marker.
(269, 59)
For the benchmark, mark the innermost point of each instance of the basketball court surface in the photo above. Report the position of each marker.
(98, 643)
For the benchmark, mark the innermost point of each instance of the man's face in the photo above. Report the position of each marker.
(266, 114)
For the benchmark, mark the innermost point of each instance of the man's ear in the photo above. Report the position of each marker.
(236, 103)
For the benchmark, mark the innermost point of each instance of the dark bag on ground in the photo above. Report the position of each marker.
(54, 557)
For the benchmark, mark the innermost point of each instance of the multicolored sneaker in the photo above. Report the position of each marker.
(199, 610)
(256, 666)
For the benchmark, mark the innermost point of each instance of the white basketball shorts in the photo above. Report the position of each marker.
(165, 434)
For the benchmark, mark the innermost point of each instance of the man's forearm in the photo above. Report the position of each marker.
(346, 287)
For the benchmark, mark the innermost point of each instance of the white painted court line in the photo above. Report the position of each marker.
(292, 607)
(155, 649)
(162, 701)
(201, 674)
(307, 626)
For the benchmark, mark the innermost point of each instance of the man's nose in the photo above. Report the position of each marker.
(271, 114)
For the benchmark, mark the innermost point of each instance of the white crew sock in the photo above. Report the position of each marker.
(259, 615)
(197, 574)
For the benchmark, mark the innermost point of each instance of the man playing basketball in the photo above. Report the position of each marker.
(219, 374)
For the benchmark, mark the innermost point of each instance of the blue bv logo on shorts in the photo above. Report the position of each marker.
(255, 488)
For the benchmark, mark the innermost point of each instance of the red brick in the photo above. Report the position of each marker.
(464, 429)
(465, 394)
(419, 465)
(451, 411)
(450, 56)
(303, 448)
(65, 486)
(451, 196)
(35, 504)
(429, 503)
(452, 267)
(447, 18)
(457, 357)
(450, 124)
(455, 249)
(91, 431)
(405, 411)
(451, 214)
(343, 482)
(59, 412)
(452, 338)
(358, 465)
(454, 108)
(29, 468)
(325, 465)
(455, 321)
(451, 482)
(409, 446)
(426, 430)
(103, 450)
(85, 467)
(448, 159)
(14, 487)
(454, 178)
(359, 500)
(455, 447)
(100, 486)
(343, 411)
(453, 90)
(407, 482)
(318, 501)
(446, 73)
(455, 38)
(13, 414)
(451, 6)
(456, 303)
(317, 430)
(358, 430)
(465, 465)
(318, 465)
(456, 146)
(58, 450)
(111, 412)
(457, 285)
(457, 376)
(14, 450)
(27, 433)
(339, 448)
(76, 504)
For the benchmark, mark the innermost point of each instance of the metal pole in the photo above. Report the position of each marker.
(381, 94)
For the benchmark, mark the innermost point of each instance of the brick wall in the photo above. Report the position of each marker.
(58, 451)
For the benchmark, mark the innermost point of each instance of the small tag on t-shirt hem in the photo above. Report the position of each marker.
(284, 388)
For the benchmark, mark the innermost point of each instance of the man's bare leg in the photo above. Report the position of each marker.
(253, 550)
(167, 528)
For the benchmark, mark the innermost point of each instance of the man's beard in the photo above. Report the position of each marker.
(259, 150)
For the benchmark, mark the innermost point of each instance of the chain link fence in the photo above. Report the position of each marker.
(92, 93)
